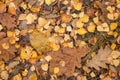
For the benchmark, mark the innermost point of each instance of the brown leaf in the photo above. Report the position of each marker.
(100, 60)
(91, 12)
(7, 54)
(8, 21)
(71, 57)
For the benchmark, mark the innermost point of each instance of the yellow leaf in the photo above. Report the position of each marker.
(35, 9)
(96, 20)
(85, 18)
(5, 45)
(116, 62)
(48, 58)
(56, 70)
(110, 33)
(79, 24)
(24, 54)
(81, 31)
(48, 2)
(33, 77)
(25, 72)
(12, 40)
(91, 28)
(113, 26)
(115, 34)
(104, 27)
(40, 42)
(10, 34)
(2, 65)
(77, 6)
(55, 47)
(113, 46)
(34, 54)
(17, 77)
(44, 67)
(92, 74)
(115, 54)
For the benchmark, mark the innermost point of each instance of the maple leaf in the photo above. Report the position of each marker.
(70, 56)
(100, 60)
(8, 21)
(7, 54)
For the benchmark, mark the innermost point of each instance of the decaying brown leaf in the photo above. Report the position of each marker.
(66, 59)
(100, 60)
(6, 53)
(8, 21)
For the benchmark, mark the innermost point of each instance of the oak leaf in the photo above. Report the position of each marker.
(8, 21)
(66, 59)
(101, 59)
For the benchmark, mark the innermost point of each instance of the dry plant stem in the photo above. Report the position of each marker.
(97, 45)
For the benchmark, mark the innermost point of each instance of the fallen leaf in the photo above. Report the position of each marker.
(115, 54)
(116, 62)
(44, 67)
(65, 18)
(48, 2)
(81, 31)
(56, 70)
(91, 28)
(7, 50)
(33, 77)
(17, 77)
(64, 58)
(77, 5)
(31, 18)
(40, 42)
(11, 8)
(2, 7)
(103, 27)
(8, 21)
(4, 75)
(113, 26)
(100, 59)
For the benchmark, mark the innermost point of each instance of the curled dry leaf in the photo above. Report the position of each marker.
(101, 59)
(65, 57)
(8, 21)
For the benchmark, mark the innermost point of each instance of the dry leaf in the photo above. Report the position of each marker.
(64, 58)
(2, 7)
(6, 53)
(8, 21)
(33, 77)
(104, 27)
(17, 77)
(65, 18)
(113, 26)
(100, 59)
(12, 8)
(39, 41)
(81, 31)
